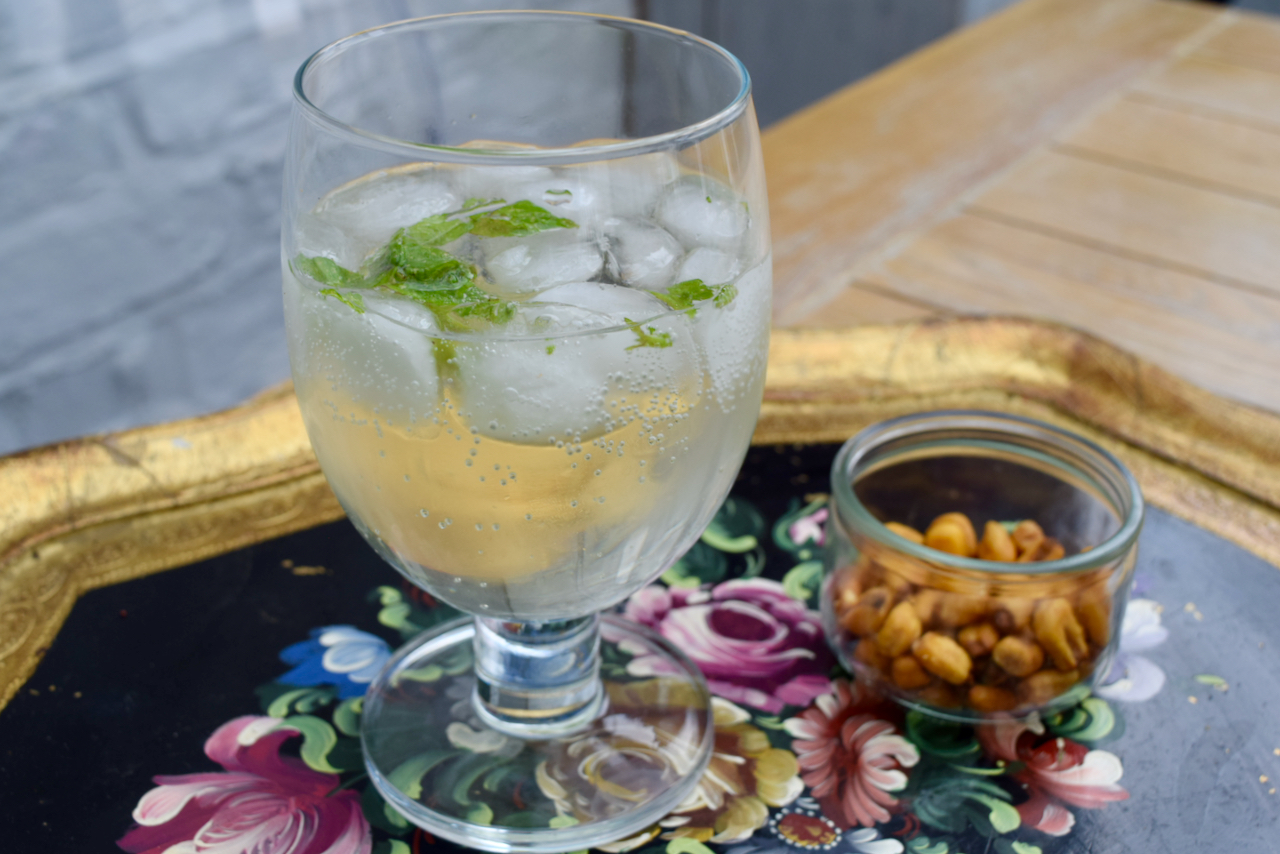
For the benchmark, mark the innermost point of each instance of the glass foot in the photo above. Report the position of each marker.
(435, 761)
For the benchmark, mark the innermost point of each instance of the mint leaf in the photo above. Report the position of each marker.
(652, 338)
(464, 309)
(418, 265)
(326, 271)
(517, 220)
(725, 295)
(356, 301)
(435, 230)
(473, 203)
(684, 294)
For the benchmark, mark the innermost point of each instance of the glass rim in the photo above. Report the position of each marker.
(678, 138)
(848, 507)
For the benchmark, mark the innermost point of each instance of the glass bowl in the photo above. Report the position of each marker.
(1015, 608)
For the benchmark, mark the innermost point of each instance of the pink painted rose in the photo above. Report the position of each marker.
(1055, 771)
(756, 645)
(262, 801)
(851, 757)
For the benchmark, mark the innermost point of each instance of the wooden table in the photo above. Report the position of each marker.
(1113, 165)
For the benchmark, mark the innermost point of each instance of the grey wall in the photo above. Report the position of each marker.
(140, 153)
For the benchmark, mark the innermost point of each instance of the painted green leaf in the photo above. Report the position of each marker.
(407, 777)
(803, 580)
(347, 716)
(465, 774)
(924, 845)
(702, 564)
(1090, 721)
(736, 528)
(685, 845)
(941, 738)
(300, 699)
(1003, 817)
(379, 813)
(392, 846)
(428, 673)
(1010, 846)
(318, 738)
(782, 528)
(517, 220)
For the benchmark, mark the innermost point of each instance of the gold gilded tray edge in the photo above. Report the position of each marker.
(100, 510)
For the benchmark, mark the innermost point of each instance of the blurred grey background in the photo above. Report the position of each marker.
(141, 144)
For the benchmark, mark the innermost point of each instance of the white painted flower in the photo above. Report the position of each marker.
(1135, 678)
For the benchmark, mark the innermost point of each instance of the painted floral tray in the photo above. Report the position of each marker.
(215, 707)
(185, 630)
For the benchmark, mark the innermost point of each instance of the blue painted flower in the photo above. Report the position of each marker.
(341, 656)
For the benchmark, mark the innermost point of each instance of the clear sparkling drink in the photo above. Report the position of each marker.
(529, 387)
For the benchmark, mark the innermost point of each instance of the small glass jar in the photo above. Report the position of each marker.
(1022, 611)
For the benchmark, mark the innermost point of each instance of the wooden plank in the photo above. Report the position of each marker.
(1247, 94)
(1219, 237)
(859, 304)
(1252, 41)
(1219, 153)
(884, 156)
(1223, 339)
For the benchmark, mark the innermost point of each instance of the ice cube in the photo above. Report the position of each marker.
(700, 211)
(559, 386)
(640, 254)
(628, 186)
(384, 358)
(610, 301)
(319, 238)
(566, 196)
(370, 211)
(497, 182)
(713, 266)
(735, 339)
(524, 265)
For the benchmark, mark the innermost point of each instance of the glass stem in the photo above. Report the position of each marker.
(538, 680)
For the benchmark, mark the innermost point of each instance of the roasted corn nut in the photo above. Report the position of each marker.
(1060, 633)
(907, 673)
(952, 533)
(899, 631)
(979, 639)
(868, 612)
(1017, 657)
(996, 544)
(943, 657)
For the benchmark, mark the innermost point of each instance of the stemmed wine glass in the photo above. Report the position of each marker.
(527, 287)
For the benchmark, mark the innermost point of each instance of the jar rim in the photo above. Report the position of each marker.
(678, 138)
(849, 509)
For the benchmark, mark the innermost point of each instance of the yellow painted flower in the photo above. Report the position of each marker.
(746, 776)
